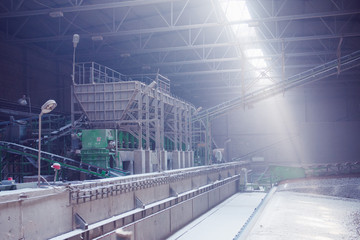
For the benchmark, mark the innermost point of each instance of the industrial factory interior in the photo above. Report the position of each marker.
(180, 119)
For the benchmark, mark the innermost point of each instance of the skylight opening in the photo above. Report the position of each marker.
(237, 10)
(256, 58)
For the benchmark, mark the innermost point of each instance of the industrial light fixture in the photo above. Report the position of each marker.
(97, 38)
(22, 101)
(146, 67)
(125, 55)
(56, 14)
(46, 108)
(76, 39)
(25, 101)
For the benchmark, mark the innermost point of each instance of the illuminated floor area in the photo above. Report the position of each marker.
(223, 221)
(315, 209)
(294, 215)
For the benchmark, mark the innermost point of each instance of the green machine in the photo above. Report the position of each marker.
(99, 148)
(276, 174)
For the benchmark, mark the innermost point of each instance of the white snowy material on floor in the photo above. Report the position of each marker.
(298, 216)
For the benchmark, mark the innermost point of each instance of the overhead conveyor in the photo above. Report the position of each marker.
(204, 118)
(328, 69)
(66, 163)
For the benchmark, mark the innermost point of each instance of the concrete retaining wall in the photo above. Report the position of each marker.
(165, 223)
(46, 213)
(34, 214)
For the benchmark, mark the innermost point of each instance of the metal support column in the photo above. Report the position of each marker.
(147, 122)
(140, 120)
(176, 128)
(181, 129)
(162, 125)
(157, 127)
(187, 129)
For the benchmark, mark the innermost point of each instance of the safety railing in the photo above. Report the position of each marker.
(92, 73)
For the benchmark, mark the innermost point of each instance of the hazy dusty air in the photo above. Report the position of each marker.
(179, 119)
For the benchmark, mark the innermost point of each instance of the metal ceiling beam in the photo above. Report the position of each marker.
(202, 83)
(300, 16)
(230, 59)
(224, 44)
(232, 70)
(176, 28)
(124, 33)
(112, 5)
(202, 46)
(83, 8)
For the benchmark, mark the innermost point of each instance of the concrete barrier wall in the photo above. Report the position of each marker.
(93, 211)
(199, 181)
(145, 229)
(45, 213)
(165, 223)
(25, 214)
(182, 186)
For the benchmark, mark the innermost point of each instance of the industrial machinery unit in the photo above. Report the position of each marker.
(131, 115)
(97, 148)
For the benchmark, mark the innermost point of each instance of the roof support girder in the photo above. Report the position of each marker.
(82, 8)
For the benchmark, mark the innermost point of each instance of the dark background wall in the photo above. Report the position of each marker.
(34, 73)
(312, 124)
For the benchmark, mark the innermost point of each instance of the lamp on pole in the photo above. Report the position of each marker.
(76, 39)
(46, 108)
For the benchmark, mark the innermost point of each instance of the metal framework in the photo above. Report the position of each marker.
(183, 41)
(148, 112)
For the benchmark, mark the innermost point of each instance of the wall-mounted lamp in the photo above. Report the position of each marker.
(25, 101)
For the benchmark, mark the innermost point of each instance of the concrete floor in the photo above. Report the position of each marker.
(223, 221)
(298, 216)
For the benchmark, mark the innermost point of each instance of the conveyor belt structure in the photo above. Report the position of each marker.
(328, 69)
(67, 163)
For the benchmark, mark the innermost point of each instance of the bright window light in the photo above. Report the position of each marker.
(237, 10)
(256, 58)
